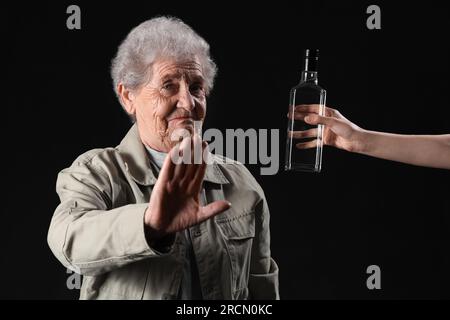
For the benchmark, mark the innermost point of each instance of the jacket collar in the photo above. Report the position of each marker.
(137, 161)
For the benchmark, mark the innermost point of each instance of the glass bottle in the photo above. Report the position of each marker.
(307, 92)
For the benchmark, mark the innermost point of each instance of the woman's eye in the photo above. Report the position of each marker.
(196, 89)
(168, 86)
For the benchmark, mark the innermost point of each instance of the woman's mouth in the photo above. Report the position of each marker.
(181, 118)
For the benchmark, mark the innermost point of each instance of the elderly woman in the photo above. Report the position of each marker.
(136, 224)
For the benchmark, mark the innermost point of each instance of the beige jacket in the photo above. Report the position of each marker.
(98, 230)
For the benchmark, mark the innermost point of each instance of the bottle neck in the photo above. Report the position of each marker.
(309, 76)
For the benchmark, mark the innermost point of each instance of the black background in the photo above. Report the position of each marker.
(326, 228)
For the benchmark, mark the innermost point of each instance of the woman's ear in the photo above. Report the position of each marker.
(127, 98)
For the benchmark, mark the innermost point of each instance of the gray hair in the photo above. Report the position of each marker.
(159, 37)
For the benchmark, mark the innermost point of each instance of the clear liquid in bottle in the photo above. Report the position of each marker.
(307, 92)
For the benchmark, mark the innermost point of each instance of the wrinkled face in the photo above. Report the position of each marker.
(173, 99)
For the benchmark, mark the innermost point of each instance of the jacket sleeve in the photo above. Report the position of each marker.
(86, 234)
(263, 279)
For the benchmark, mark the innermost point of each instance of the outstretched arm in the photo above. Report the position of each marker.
(421, 150)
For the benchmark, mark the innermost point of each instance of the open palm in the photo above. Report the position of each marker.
(175, 201)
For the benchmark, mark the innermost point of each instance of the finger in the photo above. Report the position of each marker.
(306, 145)
(308, 108)
(315, 119)
(298, 115)
(311, 133)
(213, 209)
(301, 115)
(206, 156)
(316, 109)
(168, 167)
(196, 160)
(196, 183)
(291, 112)
(180, 168)
(197, 146)
(197, 180)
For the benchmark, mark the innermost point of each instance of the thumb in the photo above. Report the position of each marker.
(213, 209)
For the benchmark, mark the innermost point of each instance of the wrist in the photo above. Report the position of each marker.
(151, 230)
(159, 241)
(364, 140)
(152, 234)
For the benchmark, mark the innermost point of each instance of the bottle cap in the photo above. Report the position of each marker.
(311, 60)
(312, 53)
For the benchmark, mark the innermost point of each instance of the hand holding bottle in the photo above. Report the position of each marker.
(338, 132)
(421, 150)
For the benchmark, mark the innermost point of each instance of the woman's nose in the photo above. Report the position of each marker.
(185, 99)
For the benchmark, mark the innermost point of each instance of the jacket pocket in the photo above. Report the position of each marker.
(239, 227)
(238, 233)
